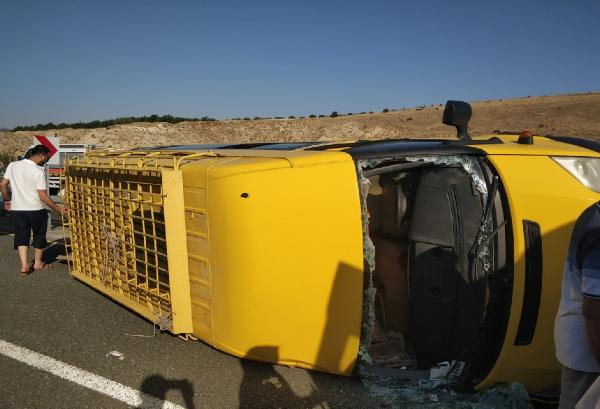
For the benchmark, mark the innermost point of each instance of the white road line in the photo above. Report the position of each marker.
(84, 378)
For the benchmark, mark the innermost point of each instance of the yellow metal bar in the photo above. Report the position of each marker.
(193, 156)
(179, 280)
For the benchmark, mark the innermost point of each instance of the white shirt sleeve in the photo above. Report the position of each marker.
(40, 181)
(8, 172)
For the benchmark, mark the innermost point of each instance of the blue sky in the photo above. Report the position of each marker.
(84, 60)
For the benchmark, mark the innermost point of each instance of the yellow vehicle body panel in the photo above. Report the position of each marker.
(260, 253)
(538, 189)
(282, 245)
(541, 146)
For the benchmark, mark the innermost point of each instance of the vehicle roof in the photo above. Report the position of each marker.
(497, 144)
(544, 146)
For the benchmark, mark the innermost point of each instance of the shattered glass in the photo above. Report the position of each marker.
(439, 394)
(484, 255)
(368, 321)
(468, 163)
(472, 167)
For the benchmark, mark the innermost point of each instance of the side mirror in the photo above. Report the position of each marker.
(458, 114)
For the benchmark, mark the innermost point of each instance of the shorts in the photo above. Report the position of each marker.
(35, 221)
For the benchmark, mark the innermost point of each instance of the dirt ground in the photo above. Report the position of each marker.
(571, 115)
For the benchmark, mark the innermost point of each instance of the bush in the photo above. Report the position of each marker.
(321, 116)
(312, 116)
(385, 110)
(334, 114)
(5, 159)
(291, 117)
(109, 122)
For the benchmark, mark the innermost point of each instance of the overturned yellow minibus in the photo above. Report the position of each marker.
(396, 254)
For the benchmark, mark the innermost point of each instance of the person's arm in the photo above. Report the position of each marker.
(591, 313)
(48, 202)
(41, 187)
(4, 189)
(4, 186)
(590, 289)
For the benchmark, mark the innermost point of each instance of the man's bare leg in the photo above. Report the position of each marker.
(23, 253)
(38, 263)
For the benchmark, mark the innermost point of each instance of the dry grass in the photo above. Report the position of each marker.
(574, 115)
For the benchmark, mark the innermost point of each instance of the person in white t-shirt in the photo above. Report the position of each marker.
(28, 186)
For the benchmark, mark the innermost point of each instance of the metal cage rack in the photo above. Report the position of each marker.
(116, 215)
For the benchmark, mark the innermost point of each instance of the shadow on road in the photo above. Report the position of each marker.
(263, 387)
(56, 249)
(157, 386)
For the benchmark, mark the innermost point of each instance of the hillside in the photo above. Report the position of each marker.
(575, 115)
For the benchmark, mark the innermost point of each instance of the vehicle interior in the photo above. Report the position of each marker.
(440, 283)
(440, 289)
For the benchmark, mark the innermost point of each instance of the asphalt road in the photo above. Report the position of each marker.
(50, 315)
